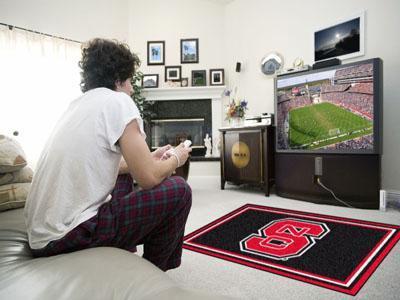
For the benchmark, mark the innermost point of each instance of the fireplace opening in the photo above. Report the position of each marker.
(175, 131)
(178, 120)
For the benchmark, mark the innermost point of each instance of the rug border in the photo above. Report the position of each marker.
(352, 289)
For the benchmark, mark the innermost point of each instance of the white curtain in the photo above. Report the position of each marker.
(39, 77)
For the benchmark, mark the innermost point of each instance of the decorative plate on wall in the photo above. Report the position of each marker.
(271, 63)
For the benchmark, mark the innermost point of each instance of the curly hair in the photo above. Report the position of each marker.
(105, 62)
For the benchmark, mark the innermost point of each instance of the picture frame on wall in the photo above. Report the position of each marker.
(344, 39)
(150, 81)
(173, 73)
(199, 78)
(217, 77)
(189, 51)
(155, 53)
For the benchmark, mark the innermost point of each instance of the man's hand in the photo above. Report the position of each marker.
(157, 154)
(180, 152)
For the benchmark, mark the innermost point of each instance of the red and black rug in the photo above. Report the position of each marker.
(332, 252)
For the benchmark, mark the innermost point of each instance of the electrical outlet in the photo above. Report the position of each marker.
(318, 166)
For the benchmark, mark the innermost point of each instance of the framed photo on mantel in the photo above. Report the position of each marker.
(150, 81)
(173, 73)
(199, 78)
(217, 77)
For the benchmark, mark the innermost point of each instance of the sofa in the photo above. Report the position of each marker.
(96, 273)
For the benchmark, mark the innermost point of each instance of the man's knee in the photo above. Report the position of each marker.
(183, 191)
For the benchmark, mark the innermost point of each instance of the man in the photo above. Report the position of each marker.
(77, 200)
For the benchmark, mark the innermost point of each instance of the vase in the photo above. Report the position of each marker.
(236, 122)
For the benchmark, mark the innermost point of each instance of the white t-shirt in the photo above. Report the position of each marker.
(79, 165)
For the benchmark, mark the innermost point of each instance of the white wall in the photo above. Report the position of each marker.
(286, 26)
(243, 30)
(171, 21)
(75, 19)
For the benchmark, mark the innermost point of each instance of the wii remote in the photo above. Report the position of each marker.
(186, 144)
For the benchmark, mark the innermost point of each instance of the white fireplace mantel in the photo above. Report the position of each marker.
(215, 93)
(184, 93)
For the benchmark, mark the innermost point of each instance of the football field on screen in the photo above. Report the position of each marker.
(323, 124)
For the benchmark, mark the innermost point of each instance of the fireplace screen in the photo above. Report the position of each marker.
(175, 131)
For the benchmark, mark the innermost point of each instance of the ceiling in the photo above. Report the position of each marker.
(222, 2)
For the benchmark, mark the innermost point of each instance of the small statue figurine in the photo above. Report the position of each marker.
(207, 143)
(216, 147)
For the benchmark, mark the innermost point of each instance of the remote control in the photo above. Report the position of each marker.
(187, 143)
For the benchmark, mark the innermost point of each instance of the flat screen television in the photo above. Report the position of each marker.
(332, 110)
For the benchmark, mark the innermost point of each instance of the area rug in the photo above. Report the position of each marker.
(332, 252)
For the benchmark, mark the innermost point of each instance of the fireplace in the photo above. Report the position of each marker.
(185, 113)
(178, 120)
(175, 131)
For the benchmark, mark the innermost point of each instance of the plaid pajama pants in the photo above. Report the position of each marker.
(155, 218)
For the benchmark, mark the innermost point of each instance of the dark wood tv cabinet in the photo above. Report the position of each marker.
(247, 155)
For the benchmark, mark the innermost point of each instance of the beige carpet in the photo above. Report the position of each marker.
(211, 274)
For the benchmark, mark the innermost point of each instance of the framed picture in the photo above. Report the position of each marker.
(173, 73)
(184, 82)
(189, 51)
(199, 78)
(150, 81)
(217, 77)
(155, 52)
(344, 39)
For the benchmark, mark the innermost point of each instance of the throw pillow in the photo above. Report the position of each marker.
(21, 176)
(12, 157)
(13, 195)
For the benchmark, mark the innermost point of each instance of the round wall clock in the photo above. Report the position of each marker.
(271, 63)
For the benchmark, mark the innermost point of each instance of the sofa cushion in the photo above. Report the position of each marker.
(13, 195)
(96, 273)
(21, 176)
(12, 157)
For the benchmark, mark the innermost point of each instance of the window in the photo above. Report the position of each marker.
(39, 77)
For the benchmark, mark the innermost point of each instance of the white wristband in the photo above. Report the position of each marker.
(177, 158)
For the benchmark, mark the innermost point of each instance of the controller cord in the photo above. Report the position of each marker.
(333, 194)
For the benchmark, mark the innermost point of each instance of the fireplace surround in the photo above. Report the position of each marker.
(185, 112)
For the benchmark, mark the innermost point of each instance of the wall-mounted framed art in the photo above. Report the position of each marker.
(217, 77)
(173, 73)
(344, 39)
(150, 81)
(156, 53)
(189, 51)
(199, 78)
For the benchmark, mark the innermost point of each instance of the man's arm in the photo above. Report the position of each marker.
(147, 171)
(123, 167)
(157, 154)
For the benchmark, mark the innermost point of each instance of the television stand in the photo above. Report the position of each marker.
(354, 178)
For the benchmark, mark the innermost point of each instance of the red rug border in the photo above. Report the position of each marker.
(289, 211)
(352, 290)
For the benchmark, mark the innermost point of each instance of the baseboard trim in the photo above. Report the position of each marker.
(389, 199)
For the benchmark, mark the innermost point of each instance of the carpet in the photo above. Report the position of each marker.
(332, 252)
